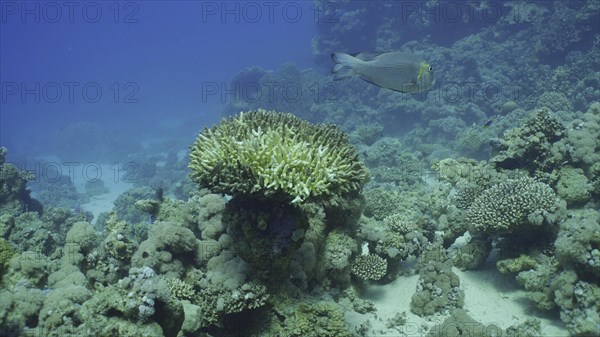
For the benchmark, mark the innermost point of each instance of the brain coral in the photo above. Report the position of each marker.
(511, 205)
(268, 154)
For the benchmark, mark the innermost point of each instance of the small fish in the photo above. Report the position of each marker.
(395, 70)
(488, 123)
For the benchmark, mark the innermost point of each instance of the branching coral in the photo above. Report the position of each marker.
(272, 154)
(512, 205)
(369, 267)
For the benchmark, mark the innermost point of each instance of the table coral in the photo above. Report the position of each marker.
(272, 154)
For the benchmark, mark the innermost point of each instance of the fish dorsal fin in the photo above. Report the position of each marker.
(400, 56)
(367, 55)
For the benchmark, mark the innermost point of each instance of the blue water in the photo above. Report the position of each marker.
(132, 66)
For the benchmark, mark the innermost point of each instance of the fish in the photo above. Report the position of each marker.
(488, 123)
(396, 71)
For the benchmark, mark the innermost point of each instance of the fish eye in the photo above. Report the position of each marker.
(430, 68)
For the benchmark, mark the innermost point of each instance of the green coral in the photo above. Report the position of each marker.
(578, 242)
(573, 186)
(534, 145)
(402, 222)
(595, 179)
(405, 236)
(452, 170)
(381, 202)
(14, 195)
(6, 253)
(321, 319)
(369, 267)
(583, 137)
(555, 101)
(466, 192)
(579, 303)
(125, 204)
(537, 279)
(437, 291)
(471, 140)
(521, 263)
(339, 247)
(223, 291)
(472, 254)
(274, 154)
(180, 289)
(438, 288)
(512, 205)
(508, 107)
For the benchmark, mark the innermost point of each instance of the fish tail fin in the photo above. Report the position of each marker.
(344, 65)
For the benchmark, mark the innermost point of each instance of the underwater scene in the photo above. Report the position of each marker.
(340, 168)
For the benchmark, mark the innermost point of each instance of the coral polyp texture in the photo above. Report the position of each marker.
(512, 205)
(369, 267)
(269, 155)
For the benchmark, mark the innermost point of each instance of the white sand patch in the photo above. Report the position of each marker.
(114, 178)
(490, 298)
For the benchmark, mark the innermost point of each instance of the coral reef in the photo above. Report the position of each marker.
(276, 155)
(57, 192)
(573, 186)
(534, 145)
(125, 204)
(578, 242)
(321, 319)
(438, 287)
(369, 267)
(6, 253)
(14, 195)
(512, 206)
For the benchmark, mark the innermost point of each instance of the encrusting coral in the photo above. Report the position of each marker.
(270, 154)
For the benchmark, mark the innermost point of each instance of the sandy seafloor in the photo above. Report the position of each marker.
(103, 202)
(490, 298)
